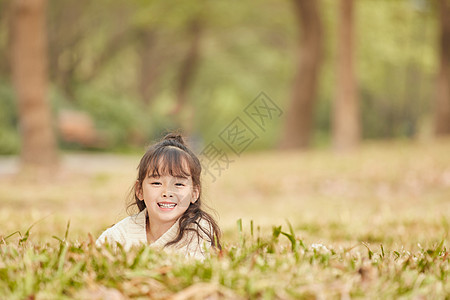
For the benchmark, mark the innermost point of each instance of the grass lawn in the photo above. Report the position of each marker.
(372, 224)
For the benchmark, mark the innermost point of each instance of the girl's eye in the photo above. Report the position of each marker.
(179, 184)
(156, 183)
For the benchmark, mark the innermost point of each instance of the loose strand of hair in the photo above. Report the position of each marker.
(192, 216)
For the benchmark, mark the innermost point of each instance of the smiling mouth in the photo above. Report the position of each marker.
(167, 205)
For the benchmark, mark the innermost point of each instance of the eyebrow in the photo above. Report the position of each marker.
(158, 176)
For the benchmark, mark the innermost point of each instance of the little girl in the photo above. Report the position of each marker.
(167, 193)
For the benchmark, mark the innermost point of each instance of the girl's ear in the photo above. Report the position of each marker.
(195, 194)
(138, 190)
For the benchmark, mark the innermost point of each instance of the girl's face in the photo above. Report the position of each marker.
(167, 197)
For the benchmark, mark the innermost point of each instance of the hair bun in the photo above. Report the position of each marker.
(174, 136)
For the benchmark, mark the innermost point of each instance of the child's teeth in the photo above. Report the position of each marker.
(164, 205)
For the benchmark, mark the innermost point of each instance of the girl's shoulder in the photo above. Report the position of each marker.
(136, 221)
(128, 229)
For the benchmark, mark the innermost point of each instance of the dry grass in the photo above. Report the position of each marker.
(370, 224)
(386, 192)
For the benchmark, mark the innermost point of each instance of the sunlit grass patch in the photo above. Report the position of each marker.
(367, 225)
(279, 265)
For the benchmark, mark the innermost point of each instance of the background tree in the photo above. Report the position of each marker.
(346, 123)
(187, 76)
(299, 116)
(190, 63)
(29, 69)
(84, 38)
(442, 107)
(120, 63)
(149, 64)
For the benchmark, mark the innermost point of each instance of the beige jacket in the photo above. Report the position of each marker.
(131, 232)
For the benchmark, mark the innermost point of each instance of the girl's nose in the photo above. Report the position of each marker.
(167, 193)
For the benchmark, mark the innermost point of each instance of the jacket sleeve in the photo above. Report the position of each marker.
(112, 236)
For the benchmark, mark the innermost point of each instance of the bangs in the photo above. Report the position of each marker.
(169, 161)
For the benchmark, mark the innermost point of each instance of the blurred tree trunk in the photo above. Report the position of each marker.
(184, 116)
(346, 118)
(65, 33)
(75, 23)
(29, 70)
(149, 67)
(442, 108)
(189, 65)
(299, 118)
(5, 13)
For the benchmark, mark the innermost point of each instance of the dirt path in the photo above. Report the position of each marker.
(89, 163)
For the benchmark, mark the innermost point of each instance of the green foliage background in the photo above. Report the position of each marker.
(246, 47)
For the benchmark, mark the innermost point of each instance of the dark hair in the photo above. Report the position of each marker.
(169, 156)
